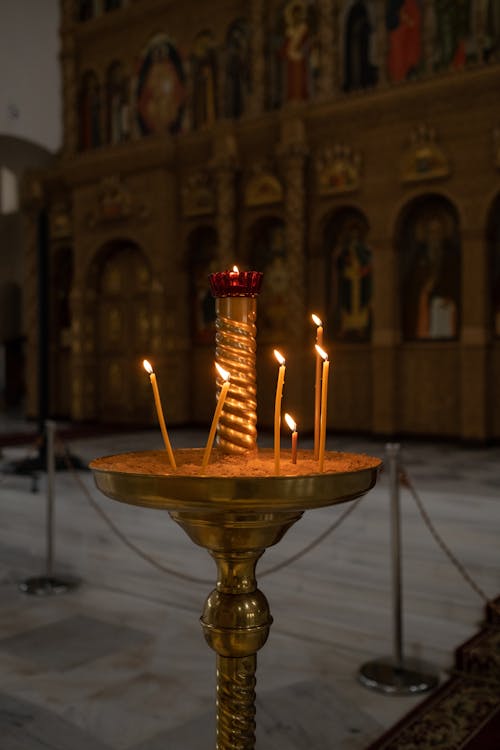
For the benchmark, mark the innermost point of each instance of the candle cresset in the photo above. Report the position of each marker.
(235, 283)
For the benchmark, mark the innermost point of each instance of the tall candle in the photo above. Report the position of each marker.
(293, 426)
(324, 399)
(317, 384)
(159, 412)
(277, 410)
(218, 410)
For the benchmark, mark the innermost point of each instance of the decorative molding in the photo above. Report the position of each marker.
(263, 188)
(115, 204)
(338, 170)
(198, 195)
(60, 222)
(424, 158)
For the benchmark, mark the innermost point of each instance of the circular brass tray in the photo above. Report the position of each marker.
(190, 492)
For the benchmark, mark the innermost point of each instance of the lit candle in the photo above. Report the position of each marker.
(277, 410)
(220, 403)
(159, 412)
(293, 426)
(317, 384)
(324, 397)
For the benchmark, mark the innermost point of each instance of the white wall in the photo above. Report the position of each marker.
(30, 81)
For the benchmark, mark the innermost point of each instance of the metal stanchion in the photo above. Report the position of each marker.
(397, 675)
(48, 584)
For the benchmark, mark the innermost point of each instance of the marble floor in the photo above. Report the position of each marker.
(120, 662)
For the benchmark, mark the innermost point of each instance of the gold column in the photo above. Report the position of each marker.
(258, 63)
(293, 150)
(475, 333)
(225, 173)
(382, 41)
(69, 92)
(327, 32)
(386, 335)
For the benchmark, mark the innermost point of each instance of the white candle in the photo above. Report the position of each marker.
(159, 412)
(324, 399)
(295, 436)
(317, 384)
(277, 410)
(218, 410)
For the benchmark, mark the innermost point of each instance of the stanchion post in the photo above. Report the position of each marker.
(393, 459)
(397, 675)
(48, 584)
(51, 463)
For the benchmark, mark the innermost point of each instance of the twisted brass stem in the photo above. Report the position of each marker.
(235, 348)
(236, 702)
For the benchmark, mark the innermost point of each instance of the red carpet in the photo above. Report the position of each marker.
(464, 713)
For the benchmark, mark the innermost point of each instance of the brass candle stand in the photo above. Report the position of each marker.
(234, 514)
(235, 519)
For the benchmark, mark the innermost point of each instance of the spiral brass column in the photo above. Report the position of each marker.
(236, 622)
(235, 351)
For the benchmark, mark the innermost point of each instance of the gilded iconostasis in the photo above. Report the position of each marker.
(349, 150)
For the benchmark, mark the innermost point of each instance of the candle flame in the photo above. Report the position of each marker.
(321, 352)
(223, 373)
(236, 269)
(290, 422)
(147, 366)
(279, 357)
(317, 321)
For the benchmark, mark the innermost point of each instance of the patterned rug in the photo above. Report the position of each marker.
(464, 713)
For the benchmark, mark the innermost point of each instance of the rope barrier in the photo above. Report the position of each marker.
(407, 483)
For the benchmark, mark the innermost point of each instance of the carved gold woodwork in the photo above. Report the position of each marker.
(424, 158)
(338, 170)
(198, 197)
(115, 203)
(263, 188)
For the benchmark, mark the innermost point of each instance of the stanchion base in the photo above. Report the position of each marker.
(408, 677)
(46, 586)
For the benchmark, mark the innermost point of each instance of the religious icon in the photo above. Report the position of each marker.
(430, 276)
(90, 112)
(360, 69)
(117, 104)
(237, 69)
(204, 72)
(490, 28)
(350, 286)
(294, 53)
(160, 93)
(453, 31)
(404, 20)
